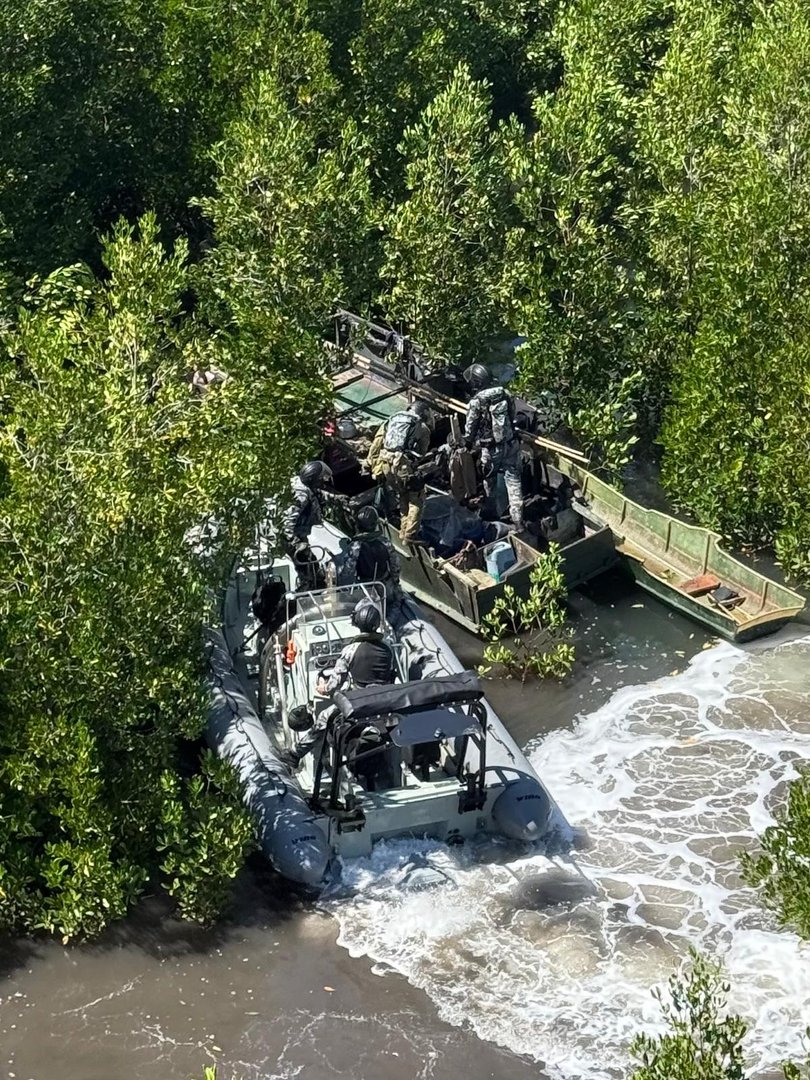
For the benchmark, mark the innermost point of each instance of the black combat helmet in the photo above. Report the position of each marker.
(366, 617)
(477, 376)
(368, 520)
(420, 409)
(315, 473)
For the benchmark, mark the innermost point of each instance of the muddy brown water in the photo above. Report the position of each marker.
(269, 994)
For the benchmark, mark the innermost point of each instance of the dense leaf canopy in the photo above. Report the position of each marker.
(194, 186)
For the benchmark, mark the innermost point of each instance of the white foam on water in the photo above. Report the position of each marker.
(670, 781)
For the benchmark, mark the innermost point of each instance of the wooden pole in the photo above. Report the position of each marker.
(444, 401)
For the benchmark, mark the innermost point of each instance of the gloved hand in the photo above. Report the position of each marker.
(289, 758)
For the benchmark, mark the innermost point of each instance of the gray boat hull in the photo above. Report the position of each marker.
(286, 827)
(303, 844)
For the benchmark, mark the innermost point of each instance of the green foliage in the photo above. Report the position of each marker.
(401, 54)
(107, 460)
(704, 1041)
(205, 833)
(576, 276)
(733, 224)
(292, 218)
(782, 870)
(444, 251)
(540, 640)
(606, 427)
(801, 1071)
(109, 108)
(626, 185)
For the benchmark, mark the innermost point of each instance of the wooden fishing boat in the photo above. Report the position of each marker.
(683, 565)
(464, 594)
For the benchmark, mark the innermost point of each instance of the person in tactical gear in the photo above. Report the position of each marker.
(372, 557)
(491, 425)
(304, 513)
(398, 448)
(366, 661)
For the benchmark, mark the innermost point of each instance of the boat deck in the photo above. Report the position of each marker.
(662, 552)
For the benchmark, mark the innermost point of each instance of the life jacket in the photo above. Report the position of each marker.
(400, 431)
(373, 662)
(373, 560)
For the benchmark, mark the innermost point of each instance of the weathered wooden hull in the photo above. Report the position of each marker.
(661, 552)
(458, 596)
(710, 618)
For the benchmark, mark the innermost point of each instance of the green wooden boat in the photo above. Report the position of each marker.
(682, 565)
(464, 595)
(665, 555)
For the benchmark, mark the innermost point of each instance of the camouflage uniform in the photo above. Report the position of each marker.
(345, 675)
(397, 466)
(497, 457)
(301, 517)
(386, 571)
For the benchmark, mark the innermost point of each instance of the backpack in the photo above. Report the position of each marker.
(500, 414)
(400, 431)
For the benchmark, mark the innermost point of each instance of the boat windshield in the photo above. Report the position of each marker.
(337, 602)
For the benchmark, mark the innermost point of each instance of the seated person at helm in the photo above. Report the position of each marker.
(366, 661)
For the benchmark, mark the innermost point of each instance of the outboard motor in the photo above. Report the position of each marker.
(523, 810)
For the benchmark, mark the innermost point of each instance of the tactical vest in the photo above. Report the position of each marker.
(372, 663)
(373, 560)
(400, 431)
(498, 418)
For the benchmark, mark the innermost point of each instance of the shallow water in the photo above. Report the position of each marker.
(670, 780)
(550, 964)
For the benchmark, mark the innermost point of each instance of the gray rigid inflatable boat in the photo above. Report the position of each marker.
(426, 756)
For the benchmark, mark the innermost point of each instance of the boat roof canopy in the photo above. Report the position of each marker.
(409, 697)
(431, 726)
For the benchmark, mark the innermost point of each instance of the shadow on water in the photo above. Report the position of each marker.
(261, 899)
(15, 954)
(554, 888)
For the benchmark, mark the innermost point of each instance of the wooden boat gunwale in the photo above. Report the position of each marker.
(767, 604)
(770, 603)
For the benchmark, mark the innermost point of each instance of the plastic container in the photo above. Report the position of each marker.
(499, 558)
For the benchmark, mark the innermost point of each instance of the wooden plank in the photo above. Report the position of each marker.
(698, 586)
(346, 378)
(438, 399)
